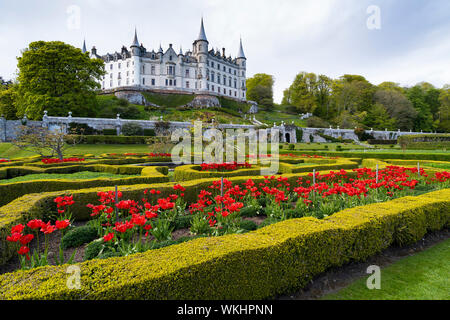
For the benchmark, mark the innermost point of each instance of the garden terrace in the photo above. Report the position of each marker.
(273, 260)
(13, 190)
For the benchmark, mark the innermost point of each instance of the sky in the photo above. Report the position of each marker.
(403, 41)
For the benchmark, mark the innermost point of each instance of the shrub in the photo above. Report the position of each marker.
(316, 122)
(149, 132)
(109, 132)
(132, 129)
(81, 128)
(380, 141)
(248, 225)
(291, 146)
(299, 134)
(78, 236)
(425, 141)
(362, 134)
(93, 249)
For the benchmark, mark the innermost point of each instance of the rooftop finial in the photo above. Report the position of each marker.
(241, 50)
(202, 34)
(84, 46)
(135, 40)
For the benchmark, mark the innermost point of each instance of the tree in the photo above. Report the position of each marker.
(41, 140)
(260, 89)
(443, 121)
(323, 94)
(8, 102)
(424, 119)
(352, 93)
(59, 78)
(398, 107)
(378, 117)
(302, 93)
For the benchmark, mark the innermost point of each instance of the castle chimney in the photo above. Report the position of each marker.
(223, 52)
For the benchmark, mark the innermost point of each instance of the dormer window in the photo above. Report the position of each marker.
(170, 58)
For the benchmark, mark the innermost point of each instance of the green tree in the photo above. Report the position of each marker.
(260, 89)
(323, 95)
(57, 77)
(378, 118)
(8, 102)
(443, 121)
(424, 119)
(398, 107)
(352, 93)
(302, 93)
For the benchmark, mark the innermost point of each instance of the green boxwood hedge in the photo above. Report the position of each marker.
(273, 260)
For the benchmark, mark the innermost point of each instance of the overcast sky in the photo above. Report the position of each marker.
(281, 38)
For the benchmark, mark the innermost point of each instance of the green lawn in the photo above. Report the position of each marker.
(9, 151)
(72, 176)
(424, 276)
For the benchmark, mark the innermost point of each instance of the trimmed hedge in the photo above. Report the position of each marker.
(191, 172)
(11, 191)
(425, 141)
(377, 155)
(336, 164)
(273, 260)
(40, 205)
(380, 141)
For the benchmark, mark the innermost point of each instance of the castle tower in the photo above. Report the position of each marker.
(241, 61)
(135, 56)
(84, 46)
(200, 49)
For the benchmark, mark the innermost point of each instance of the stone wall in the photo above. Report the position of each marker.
(288, 133)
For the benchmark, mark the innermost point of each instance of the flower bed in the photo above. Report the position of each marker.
(218, 209)
(54, 160)
(227, 166)
(274, 260)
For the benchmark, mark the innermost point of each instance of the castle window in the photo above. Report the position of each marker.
(212, 88)
(110, 75)
(224, 69)
(119, 65)
(187, 84)
(111, 66)
(229, 70)
(143, 81)
(175, 82)
(171, 70)
(103, 85)
(118, 83)
(170, 82)
(212, 76)
(118, 76)
(153, 82)
(143, 68)
(212, 64)
(128, 64)
(110, 83)
(229, 82)
(128, 81)
(152, 70)
(230, 93)
(235, 83)
(218, 66)
(187, 73)
(234, 72)
(218, 89)
(235, 94)
(128, 73)
(218, 78)
(225, 80)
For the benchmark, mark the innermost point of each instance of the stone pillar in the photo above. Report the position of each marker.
(118, 125)
(2, 129)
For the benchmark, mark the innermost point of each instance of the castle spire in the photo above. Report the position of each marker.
(241, 51)
(202, 34)
(84, 46)
(135, 40)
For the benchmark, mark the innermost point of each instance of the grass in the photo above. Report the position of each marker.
(423, 276)
(72, 176)
(9, 151)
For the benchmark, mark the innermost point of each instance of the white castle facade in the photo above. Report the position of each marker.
(200, 71)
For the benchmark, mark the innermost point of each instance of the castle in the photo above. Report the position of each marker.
(202, 71)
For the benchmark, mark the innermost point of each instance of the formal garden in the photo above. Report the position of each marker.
(139, 226)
